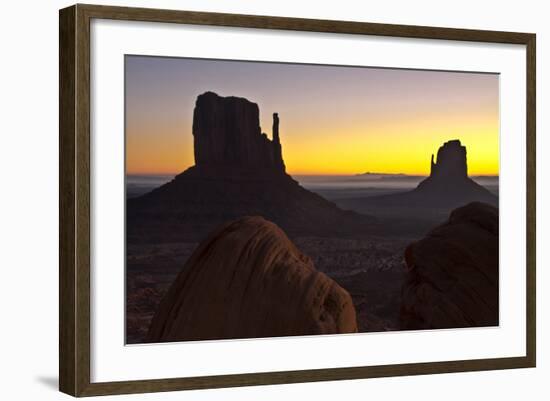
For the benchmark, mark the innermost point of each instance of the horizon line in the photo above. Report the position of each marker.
(157, 174)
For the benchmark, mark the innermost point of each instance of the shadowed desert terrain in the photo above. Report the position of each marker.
(358, 240)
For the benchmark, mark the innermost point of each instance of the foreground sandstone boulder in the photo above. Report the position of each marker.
(453, 272)
(247, 279)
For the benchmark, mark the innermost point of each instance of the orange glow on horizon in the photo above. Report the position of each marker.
(334, 120)
(347, 153)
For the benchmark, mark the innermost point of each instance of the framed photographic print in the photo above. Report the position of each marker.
(251, 200)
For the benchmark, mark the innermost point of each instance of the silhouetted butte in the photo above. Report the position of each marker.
(238, 172)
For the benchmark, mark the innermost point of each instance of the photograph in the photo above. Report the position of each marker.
(269, 199)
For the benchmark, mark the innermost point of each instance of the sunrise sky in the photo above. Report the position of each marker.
(333, 119)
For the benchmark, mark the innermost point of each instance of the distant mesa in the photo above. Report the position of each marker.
(453, 272)
(449, 179)
(369, 173)
(248, 280)
(448, 185)
(238, 172)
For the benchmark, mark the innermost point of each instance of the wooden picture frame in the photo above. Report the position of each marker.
(74, 204)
